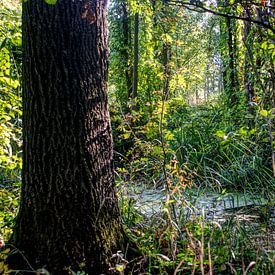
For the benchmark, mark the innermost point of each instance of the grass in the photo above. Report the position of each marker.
(224, 156)
(198, 244)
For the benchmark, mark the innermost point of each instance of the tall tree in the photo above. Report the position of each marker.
(135, 66)
(120, 17)
(232, 81)
(69, 217)
(248, 59)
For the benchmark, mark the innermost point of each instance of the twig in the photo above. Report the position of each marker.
(202, 244)
(178, 267)
(209, 259)
(23, 256)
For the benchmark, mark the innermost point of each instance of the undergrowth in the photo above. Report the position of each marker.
(193, 243)
(205, 154)
(223, 155)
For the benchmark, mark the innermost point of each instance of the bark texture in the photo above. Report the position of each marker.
(68, 216)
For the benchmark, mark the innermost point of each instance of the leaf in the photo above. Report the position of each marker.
(169, 136)
(264, 113)
(220, 134)
(51, 2)
(6, 251)
(127, 135)
(225, 142)
(243, 132)
(264, 45)
(120, 267)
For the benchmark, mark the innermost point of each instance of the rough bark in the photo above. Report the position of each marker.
(68, 218)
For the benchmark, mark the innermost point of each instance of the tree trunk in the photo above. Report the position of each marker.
(126, 31)
(248, 59)
(135, 67)
(166, 56)
(69, 217)
(232, 78)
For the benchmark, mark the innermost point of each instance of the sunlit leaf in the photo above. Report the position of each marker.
(51, 2)
(220, 134)
(264, 113)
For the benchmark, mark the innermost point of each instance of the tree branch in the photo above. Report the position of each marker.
(199, 7)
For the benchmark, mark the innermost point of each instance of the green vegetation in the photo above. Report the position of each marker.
(10, 115)
(200, 124)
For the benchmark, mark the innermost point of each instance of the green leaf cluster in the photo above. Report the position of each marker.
(10, 97)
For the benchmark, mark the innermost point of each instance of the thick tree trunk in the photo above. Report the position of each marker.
(68, 218)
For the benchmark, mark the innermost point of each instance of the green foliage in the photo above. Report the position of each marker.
(51, 2)
(8, 209)
(10, 114)
(235, 157)
(165, 54)
(4, 268)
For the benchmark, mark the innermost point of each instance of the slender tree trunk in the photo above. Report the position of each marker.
(248, 80)
(126, 31)
(220, 80)
(69, 217)
(207, 82)
(224, 66)
(206, 86)
(213, 82)
(232, 79)
(135, 67)
(165, 60)
(197, 96)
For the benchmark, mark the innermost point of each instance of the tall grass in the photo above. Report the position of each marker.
(224, 155)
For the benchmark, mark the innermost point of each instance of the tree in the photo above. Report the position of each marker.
(135, 66)
(69, 217)
(231, 86)
(120, 19)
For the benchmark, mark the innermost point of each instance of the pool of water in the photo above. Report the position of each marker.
(213, 206)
